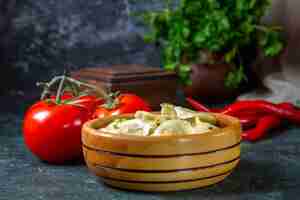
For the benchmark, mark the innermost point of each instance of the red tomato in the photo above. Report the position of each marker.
(127, 103)
(89, 102)
(64, 96)
(101, 112)
(53, 132)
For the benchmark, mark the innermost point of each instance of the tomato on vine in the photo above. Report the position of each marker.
(52, 126)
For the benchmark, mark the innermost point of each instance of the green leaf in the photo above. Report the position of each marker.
(200, 37)
(247, 27)
(224, 23)
(235, 77)
(184, 73)
(150, 38)
(263, 41)
(186, 32)
(221, 27)
(273, 49)
(230, 55)
(188, 82)
(252, 3)
(170, 66)
(241, 6)
(271, 42)
(184, 68)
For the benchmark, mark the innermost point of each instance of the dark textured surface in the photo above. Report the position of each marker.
(54, 35)
(269, 170)
(7, 43)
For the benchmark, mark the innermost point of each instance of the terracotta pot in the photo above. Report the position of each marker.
(208, 83)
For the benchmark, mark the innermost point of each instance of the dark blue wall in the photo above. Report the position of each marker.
(7, 42)
(54, 34)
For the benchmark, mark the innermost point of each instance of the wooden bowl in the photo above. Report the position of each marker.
(162, 163)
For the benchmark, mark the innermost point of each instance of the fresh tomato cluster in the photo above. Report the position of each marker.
(52, 129)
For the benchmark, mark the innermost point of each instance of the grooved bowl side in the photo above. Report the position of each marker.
(162, 163)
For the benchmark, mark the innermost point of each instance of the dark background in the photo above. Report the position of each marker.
(41, 38)
(7, 44)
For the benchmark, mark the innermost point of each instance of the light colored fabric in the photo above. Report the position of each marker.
(281, 76)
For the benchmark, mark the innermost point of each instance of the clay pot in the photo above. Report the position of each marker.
(208, 83)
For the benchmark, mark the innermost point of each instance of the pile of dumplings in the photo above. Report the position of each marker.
(172, 120)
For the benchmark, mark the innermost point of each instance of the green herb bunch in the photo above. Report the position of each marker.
(212, 31)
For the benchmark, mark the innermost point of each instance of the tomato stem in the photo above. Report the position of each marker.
(60, 90)
(99, 90)
(111, 100)
(47, 86)
(72, 82)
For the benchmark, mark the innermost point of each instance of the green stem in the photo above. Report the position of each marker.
(73, 82)
(47, 86)
(260, 28)
(60, 89)
(79, 83)
(266, 29)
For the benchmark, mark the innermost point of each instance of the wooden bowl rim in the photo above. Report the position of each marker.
(87, 127)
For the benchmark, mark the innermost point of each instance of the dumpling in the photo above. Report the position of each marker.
(147, 116)
(167, 111)
(173, 120)
(131, 127)
(202, 127)
(185, 113)
(113, 127)
(173, 127)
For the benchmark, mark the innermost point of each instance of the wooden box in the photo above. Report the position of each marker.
(153, 84)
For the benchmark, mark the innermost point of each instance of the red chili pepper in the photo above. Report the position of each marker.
(249, 113)
(257, 113)
(287, 105)
(196, 105)
(248, 120)
(264, 106)
(220, 110)
(265, 124)
(265, 115)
